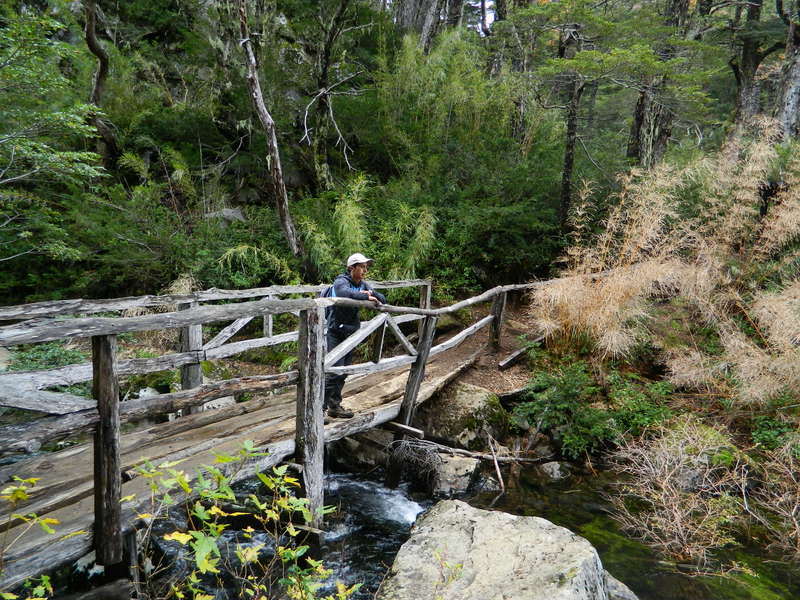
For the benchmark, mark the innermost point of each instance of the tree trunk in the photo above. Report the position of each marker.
(406, 13)
(652, 120)
(273, 155)
(430, 24)
(788, 108)
(455, 12)
(106, 142)
(789, 105)
(323, 112)
(500, 10)
(651, 127)
(484, 25)
(745, 68)
(569, 149)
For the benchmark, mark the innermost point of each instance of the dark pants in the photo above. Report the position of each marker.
(335, 383)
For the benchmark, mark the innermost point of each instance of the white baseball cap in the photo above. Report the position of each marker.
(357, 258)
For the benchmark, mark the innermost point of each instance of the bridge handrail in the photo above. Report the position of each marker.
(39, 330)
(81, 306)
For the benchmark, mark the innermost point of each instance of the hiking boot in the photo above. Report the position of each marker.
(337, 412)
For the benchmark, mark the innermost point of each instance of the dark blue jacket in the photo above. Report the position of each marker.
(344, 320)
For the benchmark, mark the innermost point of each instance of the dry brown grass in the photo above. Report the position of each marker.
(165, 340)
(697, 233)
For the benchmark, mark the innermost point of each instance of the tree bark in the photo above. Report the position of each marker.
(788, 109)
(651, 127)
(106, 142)
(500, 10)
(745, 69)
(430, 24)
(569, 149)
(652, 119)
(319, 146)
(455, 12)
(273, 154)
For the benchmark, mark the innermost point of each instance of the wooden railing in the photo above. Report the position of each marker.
(48, 321)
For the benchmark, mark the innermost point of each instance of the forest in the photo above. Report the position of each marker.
(641, 155)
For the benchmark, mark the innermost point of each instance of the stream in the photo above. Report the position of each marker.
(374, 521)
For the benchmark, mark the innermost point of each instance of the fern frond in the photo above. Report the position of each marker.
(135, 163)
(318, 247)
(350, 217)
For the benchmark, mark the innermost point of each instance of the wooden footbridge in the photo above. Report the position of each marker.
(91, 488)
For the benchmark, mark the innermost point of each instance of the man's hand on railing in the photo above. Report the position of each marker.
(370, 297)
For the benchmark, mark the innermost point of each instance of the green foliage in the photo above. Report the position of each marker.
(770, 433)
(11, 497)
(398, 236)
(47, 355)
(276, 514)
(567, 401)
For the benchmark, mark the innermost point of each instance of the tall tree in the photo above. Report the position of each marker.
(754, 41)
(268, 124)
(106, 141)
(788, 107)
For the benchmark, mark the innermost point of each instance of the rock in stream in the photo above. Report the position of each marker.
(457, 552)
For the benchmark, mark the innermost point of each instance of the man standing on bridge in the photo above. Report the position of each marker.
(343, 321)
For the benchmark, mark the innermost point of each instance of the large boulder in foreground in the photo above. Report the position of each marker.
(457, 552)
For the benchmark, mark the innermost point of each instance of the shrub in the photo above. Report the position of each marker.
(270, 552)
(569, 403)
(683, 493)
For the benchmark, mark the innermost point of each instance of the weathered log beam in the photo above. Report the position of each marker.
(309, 433)
(107, 474)
(354, 340)
(53, 403)
(231, 330)
(461, 336)
(404, 429)
(417, 372)
(72, 374)
(39, 330)
(377, 344)
(191, 340)
(82, 306)
(237, 347)
(392, 322)
(385, 364)
(29, 437)
(498, 313)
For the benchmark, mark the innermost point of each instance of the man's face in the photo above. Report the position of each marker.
(359, 271)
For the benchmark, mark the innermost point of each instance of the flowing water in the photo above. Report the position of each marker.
(373, 521)
(364, 534)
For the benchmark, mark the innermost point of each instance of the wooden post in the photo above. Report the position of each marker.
(417, 372)
(424, 302)
(108, 541)
(377, 343)
(498, 312)
(310, 432)
(191, 339)
(268, 322)
(415, 376)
